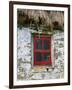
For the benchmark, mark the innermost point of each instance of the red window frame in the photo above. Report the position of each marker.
(49, 62)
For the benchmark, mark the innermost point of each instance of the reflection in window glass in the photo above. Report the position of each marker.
(38, 57)
(46, 44)
(46, 56)
(38, 44)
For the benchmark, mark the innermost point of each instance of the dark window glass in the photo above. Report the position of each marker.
(46, 44)
(38, 57)
(46, 56)
(38, 44)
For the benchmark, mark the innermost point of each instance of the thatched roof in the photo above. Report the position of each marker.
(57, 17)
(41, 17)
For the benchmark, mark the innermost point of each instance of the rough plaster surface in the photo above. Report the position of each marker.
(25, 70)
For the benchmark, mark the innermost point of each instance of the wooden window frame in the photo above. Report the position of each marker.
(49, 62)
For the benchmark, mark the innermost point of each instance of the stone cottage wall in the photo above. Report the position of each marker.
(25, 70)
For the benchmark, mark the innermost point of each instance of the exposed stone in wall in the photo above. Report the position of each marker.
(25, 70)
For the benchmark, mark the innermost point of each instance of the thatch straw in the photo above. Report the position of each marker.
(57, 17)
(41, 17)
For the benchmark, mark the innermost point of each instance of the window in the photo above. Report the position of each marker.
(42, 50)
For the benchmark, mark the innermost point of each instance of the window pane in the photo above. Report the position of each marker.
(46, 44)
(46, 56)
(38, 44)
(38, 57)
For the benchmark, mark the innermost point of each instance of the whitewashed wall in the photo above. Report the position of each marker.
(24, 57)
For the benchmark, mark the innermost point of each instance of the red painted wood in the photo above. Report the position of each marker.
(43, 51)
(49, 62)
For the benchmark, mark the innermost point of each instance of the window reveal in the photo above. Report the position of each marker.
(42, 50)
